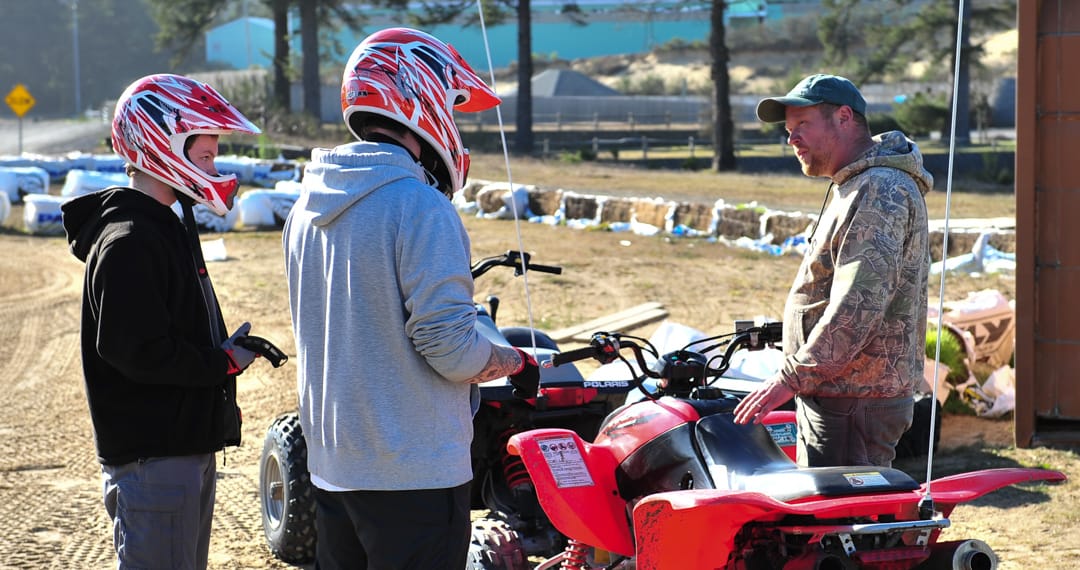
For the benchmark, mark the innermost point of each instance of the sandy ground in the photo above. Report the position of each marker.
(49, 478)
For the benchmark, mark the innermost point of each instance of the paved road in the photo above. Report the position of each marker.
(57, 136)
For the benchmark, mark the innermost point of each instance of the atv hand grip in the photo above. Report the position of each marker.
(571, 356)
(264, 348)
(545, 268)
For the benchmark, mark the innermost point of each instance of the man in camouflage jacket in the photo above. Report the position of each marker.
(855, 319)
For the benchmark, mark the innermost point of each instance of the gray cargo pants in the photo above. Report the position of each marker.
(161, 510)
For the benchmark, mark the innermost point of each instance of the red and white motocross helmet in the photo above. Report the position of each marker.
(154, 117)
(418, 81)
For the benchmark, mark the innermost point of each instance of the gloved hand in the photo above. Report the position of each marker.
(239, 357)
(526, 380)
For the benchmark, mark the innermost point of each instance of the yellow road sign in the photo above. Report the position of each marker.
(20, 100)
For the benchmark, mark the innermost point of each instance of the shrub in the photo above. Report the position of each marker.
(919, 115)
(883, 122)
(952, 354)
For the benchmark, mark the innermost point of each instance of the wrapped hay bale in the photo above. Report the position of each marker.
(579, 206)
(79, 182)
(268, 208)
(653, 211)
(42, 214)
(545, 202)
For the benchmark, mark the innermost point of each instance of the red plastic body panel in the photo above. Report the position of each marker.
(672, 527)
(641, 423)
(592, 513)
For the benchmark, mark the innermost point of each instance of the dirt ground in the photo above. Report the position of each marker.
(49, 478)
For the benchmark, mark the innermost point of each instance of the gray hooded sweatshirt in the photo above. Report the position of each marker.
(855, 320)
(380, 293)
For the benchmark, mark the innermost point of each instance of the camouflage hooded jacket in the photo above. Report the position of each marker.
(855, 319)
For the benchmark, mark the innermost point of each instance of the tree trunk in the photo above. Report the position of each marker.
(282, 92)
(723, 127)
(523, 138)
(309, 45)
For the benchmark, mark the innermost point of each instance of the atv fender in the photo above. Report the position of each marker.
(575, 483)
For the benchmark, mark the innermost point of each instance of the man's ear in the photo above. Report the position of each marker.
(844, 114)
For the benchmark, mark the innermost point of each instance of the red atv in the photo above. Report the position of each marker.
(671, 482)
(516, 527)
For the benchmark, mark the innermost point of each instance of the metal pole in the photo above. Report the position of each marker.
(20, 136)
(75, 49)
(247, 32)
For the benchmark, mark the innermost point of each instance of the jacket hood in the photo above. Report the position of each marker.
(337, 178)
(84, 216)
(893, 150)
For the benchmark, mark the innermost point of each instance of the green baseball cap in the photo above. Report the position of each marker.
(813, 90)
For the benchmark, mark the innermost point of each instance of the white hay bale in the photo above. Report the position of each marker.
(31, 180)
(42, 214)
(9, 184)
(209, 221)
(79, 182)
(268, 208)
(5, 207)
(109, 163)
(242, 166)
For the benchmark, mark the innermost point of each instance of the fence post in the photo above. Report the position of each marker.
(667, 118)
(644, 147)
(596, 121)
(630, 119)
(691, 145)
(547, 147)
(595, 146)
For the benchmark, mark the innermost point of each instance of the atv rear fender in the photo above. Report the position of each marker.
(575, 483)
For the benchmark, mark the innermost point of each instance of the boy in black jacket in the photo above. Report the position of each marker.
(160, 373)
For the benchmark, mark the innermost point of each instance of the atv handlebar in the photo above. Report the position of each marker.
(603, 347)
(515, 259)
(681, 370)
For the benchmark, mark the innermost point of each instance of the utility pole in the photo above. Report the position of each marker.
(75, 53)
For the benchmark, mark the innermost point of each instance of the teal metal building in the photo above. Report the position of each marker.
(610, 28)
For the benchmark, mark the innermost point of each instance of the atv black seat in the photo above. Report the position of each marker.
(744, 457)
(796, 483)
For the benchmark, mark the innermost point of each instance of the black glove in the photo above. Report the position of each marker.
(239, 357)
(526, 380)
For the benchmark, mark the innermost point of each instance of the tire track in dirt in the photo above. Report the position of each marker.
(48, 470)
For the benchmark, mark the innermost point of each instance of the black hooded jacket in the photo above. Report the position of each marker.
(156, 382)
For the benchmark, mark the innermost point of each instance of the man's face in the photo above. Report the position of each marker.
(814, 138)
(202, 152)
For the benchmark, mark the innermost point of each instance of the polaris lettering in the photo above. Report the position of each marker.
(607, 384)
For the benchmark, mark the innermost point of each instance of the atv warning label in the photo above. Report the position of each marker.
(566, 463)
(783, 434)
(866, 479)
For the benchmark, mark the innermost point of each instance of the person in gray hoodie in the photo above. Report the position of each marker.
(855, 319)
(381, 296)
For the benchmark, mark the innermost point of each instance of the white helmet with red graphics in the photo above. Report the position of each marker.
(154, 118)
(416, 80)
